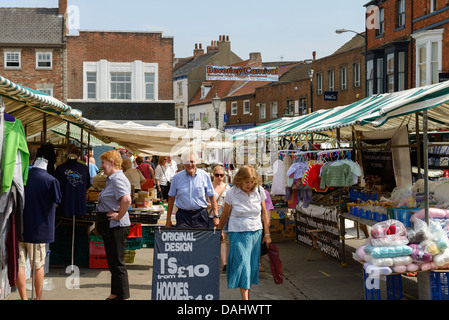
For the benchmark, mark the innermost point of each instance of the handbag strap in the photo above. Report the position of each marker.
(219, 196)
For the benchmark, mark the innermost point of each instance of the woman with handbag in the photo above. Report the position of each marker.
(245, 208)
(220, 189)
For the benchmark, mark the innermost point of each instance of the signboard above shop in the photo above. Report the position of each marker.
(232, 73)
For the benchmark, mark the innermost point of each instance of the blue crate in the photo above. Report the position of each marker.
(370, 294)
(439, 285)
(394, 287)
(403, 215)
(364, 196)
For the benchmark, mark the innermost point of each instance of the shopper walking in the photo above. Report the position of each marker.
(220, 189)
(245, 209)
(161, 176)
(191, 187)
(113, 222)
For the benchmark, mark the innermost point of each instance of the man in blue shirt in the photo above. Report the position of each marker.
(191, 187)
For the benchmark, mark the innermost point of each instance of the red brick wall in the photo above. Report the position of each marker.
(422, 18)
(335, 62)
(31, 77)
(120, 47)
(422, 10)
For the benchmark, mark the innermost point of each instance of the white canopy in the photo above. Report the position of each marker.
(159, 140)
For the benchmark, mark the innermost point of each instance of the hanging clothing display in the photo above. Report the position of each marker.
(74, 180)
(42, 194)
(14, 174)
(14, 140)
(308, 171)
(278, 184)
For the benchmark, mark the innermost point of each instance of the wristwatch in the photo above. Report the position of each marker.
(215, 216)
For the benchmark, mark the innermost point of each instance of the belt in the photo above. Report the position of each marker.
(192, 211)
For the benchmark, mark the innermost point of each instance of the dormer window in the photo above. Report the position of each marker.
(205, 88)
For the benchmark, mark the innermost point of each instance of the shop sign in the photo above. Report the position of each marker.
(330, 95)
(186, 264)
(319, 217)
(442, 77)
(233, 73)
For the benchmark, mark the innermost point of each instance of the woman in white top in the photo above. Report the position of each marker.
(161, 175)
(220, 189)
(134, 176)
(245, 208)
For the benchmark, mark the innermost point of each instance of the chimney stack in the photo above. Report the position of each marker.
(314, 55)
(198, 50)
(62, 8)
(255, 59)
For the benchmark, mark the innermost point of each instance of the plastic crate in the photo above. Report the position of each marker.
(98, 262)
(394, 287)
(364, 196)
(403, 215)
(96, 245)
(135, 231)
(439, 285)
(129, 256)
(370, 293)
(133, 243)
(148, 236)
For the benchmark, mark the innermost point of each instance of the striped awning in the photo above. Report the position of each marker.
(382, 111)
(29, 105)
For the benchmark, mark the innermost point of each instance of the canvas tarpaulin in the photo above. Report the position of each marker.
(159, 140)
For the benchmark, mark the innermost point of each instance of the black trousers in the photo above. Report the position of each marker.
(115, 244)
(164, 192)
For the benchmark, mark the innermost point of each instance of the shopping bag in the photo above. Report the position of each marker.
(275, 264)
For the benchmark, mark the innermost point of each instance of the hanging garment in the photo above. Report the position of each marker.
(42, 193)
(278, 184)
(12, 247)
(336, 176)
(14, 140)
(74, 180)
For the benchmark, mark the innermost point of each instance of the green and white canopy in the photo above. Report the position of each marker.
(29, 105)
(385, 111)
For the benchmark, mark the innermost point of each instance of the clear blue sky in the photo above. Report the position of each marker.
(281, 30)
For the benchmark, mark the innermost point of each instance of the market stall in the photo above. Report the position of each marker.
(420, 109)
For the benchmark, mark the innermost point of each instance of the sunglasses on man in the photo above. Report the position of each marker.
(219, 175)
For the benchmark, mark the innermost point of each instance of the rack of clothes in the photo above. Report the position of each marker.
(297, 174)
(14, 159)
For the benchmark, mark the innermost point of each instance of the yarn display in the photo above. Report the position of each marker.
(425, 247)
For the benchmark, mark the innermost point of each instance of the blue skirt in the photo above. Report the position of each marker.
(242, 267)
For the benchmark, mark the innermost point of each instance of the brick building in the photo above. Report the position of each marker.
(32, 46)
(256, 102)
(339, 78)
(407, 41)
(121, 76)
(190, 73)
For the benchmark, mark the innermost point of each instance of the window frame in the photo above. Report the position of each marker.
(6, 60)
(124, 82)
(234, 108)
(38, 60)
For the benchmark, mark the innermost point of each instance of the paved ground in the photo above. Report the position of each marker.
(316, 279)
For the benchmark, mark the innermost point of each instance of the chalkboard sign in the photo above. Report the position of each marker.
(186, 264)
(379, 162)
(319, 217)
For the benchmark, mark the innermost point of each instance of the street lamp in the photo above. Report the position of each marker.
(216, 105)
(340, 31)
(311, 89)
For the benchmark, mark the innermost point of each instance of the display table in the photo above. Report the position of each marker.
(351, 217)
